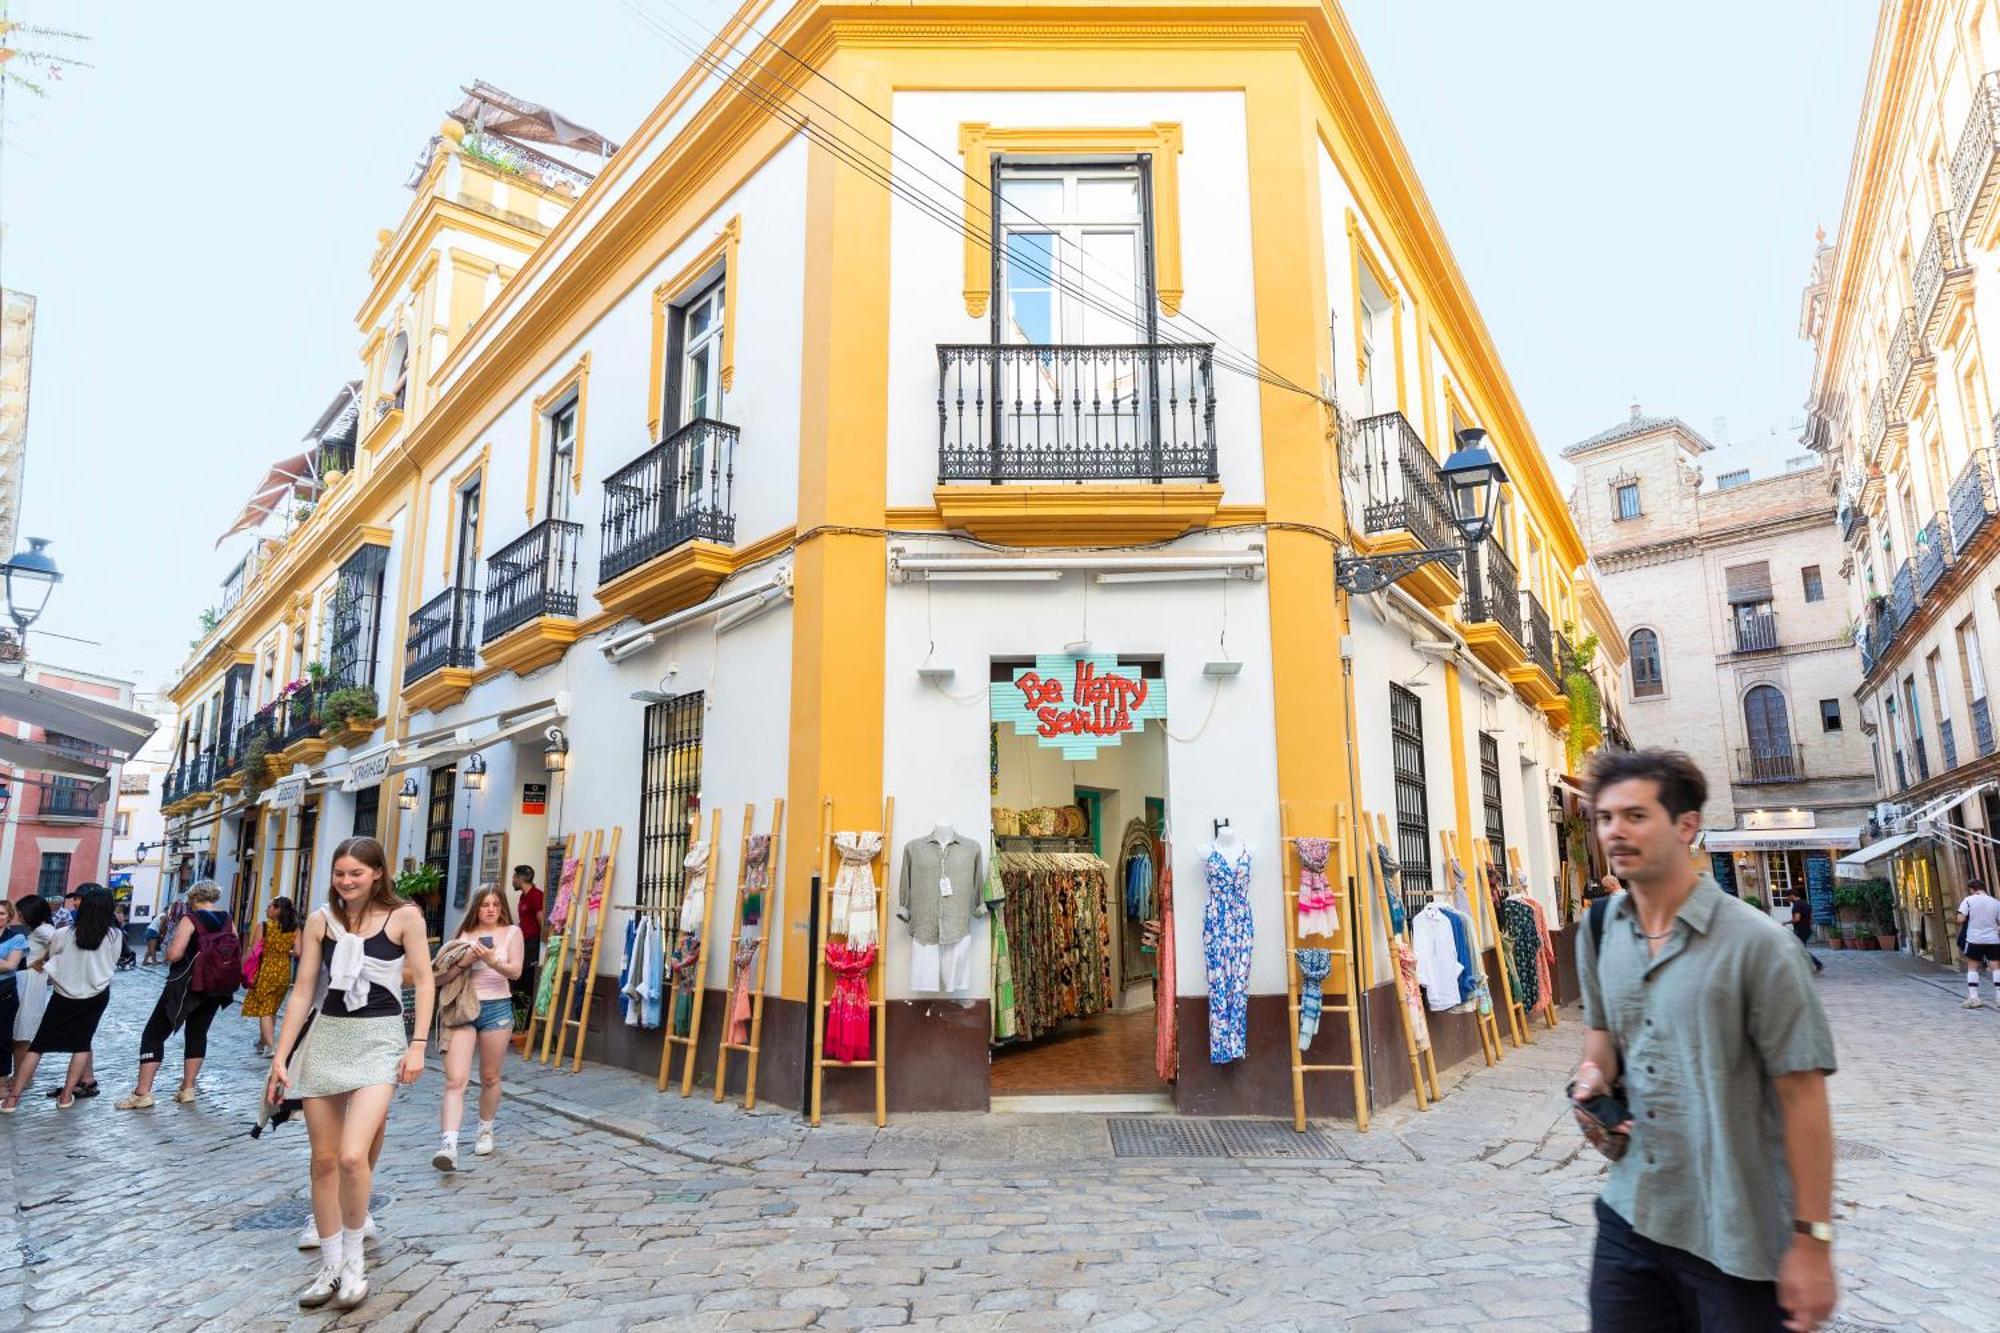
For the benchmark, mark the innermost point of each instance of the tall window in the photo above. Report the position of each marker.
(1897, 747)
(1829, 715)
(1914, 717)
(562, 459)
(355, 627)
(1941, 708)
(437, 844)
(468, 537)
(1413, 817)
(701, 355)
(302, 868)
(1972, 670)
(367, 810)
(123, 827)
(1768, 727)
(1628, 500)
(1644, 648)
(53, 881)
(669, 797)
(1815, 590)
(1489, 792)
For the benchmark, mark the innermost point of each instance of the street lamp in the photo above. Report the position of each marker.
(31, 575)
(474, 776)
(406, 798)
(1472, 480)
(555, 756)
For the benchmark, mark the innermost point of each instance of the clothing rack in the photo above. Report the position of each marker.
(594, 937)
(1520, 878)
(877, 972)
(711, 885)
(1137, 840)
(1293, 869)
(558, 954)
(760, 970)
(1423, 1061)
(1482, 898)
(1489, 1026)
(1021, 842)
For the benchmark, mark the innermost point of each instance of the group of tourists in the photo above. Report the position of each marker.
(345, 1042)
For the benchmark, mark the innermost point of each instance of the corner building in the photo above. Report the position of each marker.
(770, 469)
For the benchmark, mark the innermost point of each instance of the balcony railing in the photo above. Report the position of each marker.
(441, 634)
(1565, 656)
(1932, 554)
(1971, 498)
(1405, 489)
(1760, 764)
(69, 802)
(335, 456)
(1070, 412)
(1972, 160)
(1540, 643)
(1903, 594)
(534, 575)
(1492, 590)
(1947, 744)
(1904, 348)
(300, 716)
(1878, 421)
(1923, 758)
(674, 493)
(1982, 727)
(1938, 260)
(1755, 633)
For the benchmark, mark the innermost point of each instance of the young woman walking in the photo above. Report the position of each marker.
(280, 945)
(31, 988)
(191, 997)
(490, 948)
(78, 966)
(13, 955)
(342, 1050)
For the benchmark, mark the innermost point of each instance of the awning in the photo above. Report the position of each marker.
(117, 729)
(1855, 865)
(288, 479)
(1936, 808)
(452, 750)
(1779, 839)
(47, 759)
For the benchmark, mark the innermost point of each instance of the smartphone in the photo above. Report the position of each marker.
(486, 941)
(1602, 1117)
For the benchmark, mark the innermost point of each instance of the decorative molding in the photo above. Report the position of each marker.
(476, 468)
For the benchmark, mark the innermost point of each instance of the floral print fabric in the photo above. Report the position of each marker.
(1058, 931)
(854, 891)
(1225, 941)
(847, 1029)
(1318, 914)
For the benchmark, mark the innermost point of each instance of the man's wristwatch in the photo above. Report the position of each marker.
(1820, 1231)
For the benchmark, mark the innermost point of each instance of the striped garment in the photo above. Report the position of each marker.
(1314, 964)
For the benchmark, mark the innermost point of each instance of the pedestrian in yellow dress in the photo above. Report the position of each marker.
(279, 943)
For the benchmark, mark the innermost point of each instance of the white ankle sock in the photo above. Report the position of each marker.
(486, 1127)
(351, 1246)
(1972, 982)
(331, 1248)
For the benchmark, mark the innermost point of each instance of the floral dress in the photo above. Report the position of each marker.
(274, 974)
(1225, 943)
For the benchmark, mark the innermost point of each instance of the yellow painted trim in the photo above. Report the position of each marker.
(367, 534)
(722, 250)
(441, 689)
(474, 265)
(576, 381)
(1094, 513)
(385, 427)
(476, 468)
(1461, 768)
(532, 646)
(1361, 253)
(1452, 403)
(978, 140)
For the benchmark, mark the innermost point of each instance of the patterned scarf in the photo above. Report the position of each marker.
(1314, 964)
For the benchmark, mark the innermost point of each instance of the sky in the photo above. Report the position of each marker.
(1631, 190)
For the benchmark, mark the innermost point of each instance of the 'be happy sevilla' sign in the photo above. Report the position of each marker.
(1078, 704)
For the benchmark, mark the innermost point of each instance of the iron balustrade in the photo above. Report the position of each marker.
(1405, 489)
(1540, 641)
(1492, 589)
(675, 493)
(1756, 633)
(1903, 352)
(1923, 757)
(1972, 159)
(1073, 412)
(440, 634)
(301, 715)
(1903, 594)
(1982, 727)
(1878, 420)
(1756, 765)
(69, 802)
(1971, 498)
(532, 576)
(1931, 557)
(1947, 744)
(1935, 261)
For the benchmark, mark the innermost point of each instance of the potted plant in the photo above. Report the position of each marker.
(345, 709)
(1881, 909)
(254, 755)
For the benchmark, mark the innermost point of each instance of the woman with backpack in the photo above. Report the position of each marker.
(269, 971)
(204, 967)
(78, 966)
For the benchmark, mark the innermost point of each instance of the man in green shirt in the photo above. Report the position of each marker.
(1718, 1216)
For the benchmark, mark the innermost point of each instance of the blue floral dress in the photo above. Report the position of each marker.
(1225, 944)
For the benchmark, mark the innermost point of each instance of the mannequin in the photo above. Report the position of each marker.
(1226, 843)
(940, 891)
(942, 834)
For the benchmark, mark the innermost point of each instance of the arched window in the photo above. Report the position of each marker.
(1769, 729)
(1646, 678)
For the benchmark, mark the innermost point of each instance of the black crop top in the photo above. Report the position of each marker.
(383, 1001)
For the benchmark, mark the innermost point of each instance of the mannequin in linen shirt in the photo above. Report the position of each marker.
(942, 963)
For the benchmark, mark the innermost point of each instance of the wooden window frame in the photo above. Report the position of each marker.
(575, 384)
(473, 471)
(693, 278)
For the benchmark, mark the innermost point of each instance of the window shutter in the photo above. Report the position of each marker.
(670, 384)
(1749, 583)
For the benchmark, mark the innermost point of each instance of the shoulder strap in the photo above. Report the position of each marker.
(1597, 910)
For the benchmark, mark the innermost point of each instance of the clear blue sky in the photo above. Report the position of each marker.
(1631, 190)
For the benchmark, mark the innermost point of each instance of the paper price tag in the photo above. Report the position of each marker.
(944, 886)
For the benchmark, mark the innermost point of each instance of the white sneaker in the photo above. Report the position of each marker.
(353, 1286)
(483, 1145)
(321, 1289)
(446, 1157)
(1973, 1002)
(309, 1238)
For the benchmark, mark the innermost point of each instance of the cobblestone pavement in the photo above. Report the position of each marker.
(610, 1206)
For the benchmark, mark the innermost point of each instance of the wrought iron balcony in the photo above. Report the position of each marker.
(1764, 764)
(1565, 656)
(674, 493)
(69, 802)
(1878, 422)
(1070, 412)
(335, 456)
(1972, 161)
(1905, 347)
(1971, 499)
(1405, 489)
(1947, 745)
(300, 716)
(1493, 590)
(1982, 727)
(534, 575)
(1923, 758)
(1939, 265)
(440, 634)
(1903, 594)
(1933, 554)
(1755, 633)
(1849, 518)
(1540, 641)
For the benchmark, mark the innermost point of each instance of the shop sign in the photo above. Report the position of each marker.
(534, 798)
(288, 793)
(1077, 704)
(368, 769)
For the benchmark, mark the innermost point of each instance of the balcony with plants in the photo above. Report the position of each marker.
(667, 538)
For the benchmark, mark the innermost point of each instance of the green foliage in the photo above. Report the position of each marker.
(1755, 902)
(1586, 707)
(254, 756)
(475, 147)
(210, 618)
(419, 880)
(349, 703)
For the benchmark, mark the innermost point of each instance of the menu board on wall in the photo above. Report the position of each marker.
(1819, 885)
(1724, 869)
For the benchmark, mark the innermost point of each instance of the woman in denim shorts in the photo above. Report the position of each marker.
(488, 927)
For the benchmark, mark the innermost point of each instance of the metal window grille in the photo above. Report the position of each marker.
(357, 618)
(1413, 818)
(437, 841)
(1489, 788)
(303, 876)
(54, 878)
(367, 811)
(670, 797)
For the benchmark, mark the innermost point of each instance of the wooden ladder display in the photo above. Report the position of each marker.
(1291, 873)
(1482, 906)
(1520, 877)
(1489, 1026)
(586, 958)
(1423, 1061)
(575, 848)
(711, 888)
(768, 915)
(877, 974)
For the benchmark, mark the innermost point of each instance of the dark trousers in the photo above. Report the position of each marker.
(201, 1010)
(10, 1005)
(1641, 1286)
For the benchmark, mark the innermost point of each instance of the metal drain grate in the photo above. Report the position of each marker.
(1162, 1136)
(1853, 1150)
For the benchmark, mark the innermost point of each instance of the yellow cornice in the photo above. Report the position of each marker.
(419, 243)
(476, 265)
(723, 250)
(368, 534)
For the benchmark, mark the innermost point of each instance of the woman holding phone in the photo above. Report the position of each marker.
(342, 1050)
(494, 955)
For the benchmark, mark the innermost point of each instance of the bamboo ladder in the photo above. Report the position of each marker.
(586, 959)
(1292, 871)
(1423, 1061)
(1520, 878)
(878, 974)
(712, 888)
(769, 915)
(1517, 1016)
(1489, 1026)
(575, 845)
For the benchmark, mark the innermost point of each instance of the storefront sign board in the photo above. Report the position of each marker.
(534, 798)
(1077, 705)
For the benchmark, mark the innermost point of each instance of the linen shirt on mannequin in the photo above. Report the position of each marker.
(940, 889)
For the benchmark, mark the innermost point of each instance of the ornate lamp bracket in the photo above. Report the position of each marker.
(1365, 574)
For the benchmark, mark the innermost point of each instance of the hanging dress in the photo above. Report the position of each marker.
(1318, 911)
(854, 888)
(565, 894)
(1004, 1028)
(1166, 1029)
(847, 1035)
(685, 966)
(1225, 941)
(743, 965)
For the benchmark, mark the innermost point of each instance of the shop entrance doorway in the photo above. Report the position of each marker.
(1079, 850)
